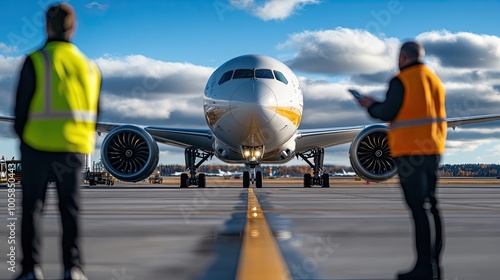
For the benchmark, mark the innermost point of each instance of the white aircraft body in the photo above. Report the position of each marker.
(344, 173)
(229, 174)
(253, 106)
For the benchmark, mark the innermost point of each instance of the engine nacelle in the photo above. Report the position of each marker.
(129, 153)
(370, 154)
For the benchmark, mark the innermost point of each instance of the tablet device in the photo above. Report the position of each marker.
(355, 93)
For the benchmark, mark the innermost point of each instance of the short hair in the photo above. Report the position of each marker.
(61, 19)
(413, 50)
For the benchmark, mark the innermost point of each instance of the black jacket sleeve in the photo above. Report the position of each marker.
(389, 109)
(24, 94)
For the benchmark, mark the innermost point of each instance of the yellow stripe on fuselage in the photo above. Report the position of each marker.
(293, 114)
(260, 257)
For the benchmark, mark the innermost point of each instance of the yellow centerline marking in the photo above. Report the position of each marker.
(260, 257)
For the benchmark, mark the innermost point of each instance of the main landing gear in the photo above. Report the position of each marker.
(315, 180)
(191, 155)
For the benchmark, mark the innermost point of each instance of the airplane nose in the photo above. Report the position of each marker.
(253, 104)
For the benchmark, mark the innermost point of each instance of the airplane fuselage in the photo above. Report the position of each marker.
(253, 106)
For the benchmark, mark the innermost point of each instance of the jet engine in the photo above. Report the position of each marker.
(129, 153)
(370, 154)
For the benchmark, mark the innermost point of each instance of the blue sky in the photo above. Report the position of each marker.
(329, 44)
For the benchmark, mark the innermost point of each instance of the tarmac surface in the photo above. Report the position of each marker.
(349, 231)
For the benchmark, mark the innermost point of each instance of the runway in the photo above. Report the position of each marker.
(348, 231)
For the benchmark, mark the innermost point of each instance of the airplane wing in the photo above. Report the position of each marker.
(327, 137)
(454, 122)
(178, 137)
(183, 138)
(321, 138)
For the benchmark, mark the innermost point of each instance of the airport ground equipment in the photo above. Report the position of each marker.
(156, 178)
(10, 168)
(3, 171)
(100, 178)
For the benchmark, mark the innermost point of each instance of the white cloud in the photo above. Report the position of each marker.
(9, 68)
(481, 130)
(337, 91)
(470, 151)
(134, 65)
(342, 51)
(456, 147)
(146, 108)
(462, 49)
(271, 9)
(96, 5)
(495, 150)
(9, 65)
(140, 89)
(4, 48)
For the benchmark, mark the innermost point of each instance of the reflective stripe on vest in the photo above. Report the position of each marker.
(411, 123)
(48, 112)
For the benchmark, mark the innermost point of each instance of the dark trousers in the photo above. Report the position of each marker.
(418, 175)
(65, 169)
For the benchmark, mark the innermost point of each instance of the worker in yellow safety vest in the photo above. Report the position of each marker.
(415, 108)
(55, 119)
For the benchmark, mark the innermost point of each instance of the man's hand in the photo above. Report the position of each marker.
(366, 101)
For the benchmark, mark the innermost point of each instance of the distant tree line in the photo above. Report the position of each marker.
(445, 170)
(469, 170)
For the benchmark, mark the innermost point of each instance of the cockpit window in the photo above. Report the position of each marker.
(264, 73)
(243, 73)
(280, 77)
(253, 73)
(226, 77)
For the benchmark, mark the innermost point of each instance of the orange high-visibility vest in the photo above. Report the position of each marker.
(63, 111)
(420, 126)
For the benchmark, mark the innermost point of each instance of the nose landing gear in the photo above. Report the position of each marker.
(254, 177)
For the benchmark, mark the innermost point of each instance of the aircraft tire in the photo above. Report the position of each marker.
(326, 180)
(307, 180)
(258, 179)
(184, 179)
(202, 182)
(246, 179)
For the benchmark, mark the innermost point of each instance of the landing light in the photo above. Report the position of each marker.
(252, 153)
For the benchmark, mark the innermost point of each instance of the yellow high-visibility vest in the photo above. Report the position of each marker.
(420, 126)
(62, 114)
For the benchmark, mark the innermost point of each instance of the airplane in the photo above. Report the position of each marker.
(223, 173)
(229, 174)
(344, 173)
(253, 107)
(219, 173)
